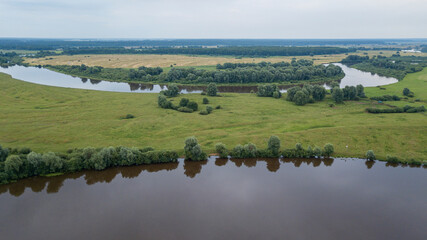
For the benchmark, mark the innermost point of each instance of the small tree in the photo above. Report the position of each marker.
(250, 150)
(300, 98)
(317, 152)
(193, 151)
(221, 149)
(328, 149)
(193, 105)
(274, 145)
(370, 155)
(337, 95)
(212, 90)
(4, 152)
(360, 91)
(406, 91)
(205, 101)
(183, 102)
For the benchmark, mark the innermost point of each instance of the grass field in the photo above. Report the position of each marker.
(56, 119)
(134, 60)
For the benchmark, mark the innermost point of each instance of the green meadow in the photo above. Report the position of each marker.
(57, 119)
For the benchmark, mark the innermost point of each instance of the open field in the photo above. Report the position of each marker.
(135, 60)
(56, 119)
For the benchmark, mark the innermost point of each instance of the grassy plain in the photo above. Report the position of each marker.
(56, 119)
(154, 60)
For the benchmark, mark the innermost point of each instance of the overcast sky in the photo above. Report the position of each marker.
(213, 18)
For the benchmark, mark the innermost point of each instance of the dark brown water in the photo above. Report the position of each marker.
(222, 199)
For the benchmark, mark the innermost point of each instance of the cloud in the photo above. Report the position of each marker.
(213, 19)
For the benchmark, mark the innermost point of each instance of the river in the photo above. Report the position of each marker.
(222, 199)
(51, 78)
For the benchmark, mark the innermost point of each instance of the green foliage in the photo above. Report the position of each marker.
(172, 91)
(203, 112)
(221, 149)
(350, 93)
(52, 163)
(307, 94)
(370, 155)
(360, 91)
(14, 167)
(163, 102)
(128, 116)
(205, 101)
(386, 98)
(269, 90)
(185, 110)
(212, 89)
(209, 109)
(249, 150)
(405, 109)
(4, 152)
(193, 105)
(300, 98)
(274, 145)
(193, 151)
(407, 92)
(218, 107)
(328, 150)
(237, 152)
(318, 93)
(337, 95)
(183, 102)
(392, 159)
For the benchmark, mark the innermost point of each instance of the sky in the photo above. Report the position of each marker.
(213, 18)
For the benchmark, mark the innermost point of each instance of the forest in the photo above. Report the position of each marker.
(297, 70)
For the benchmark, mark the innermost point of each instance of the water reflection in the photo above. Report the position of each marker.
(44, 76)
(191, 170)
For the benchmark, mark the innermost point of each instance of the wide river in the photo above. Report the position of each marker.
(222, 199)
(44, 76)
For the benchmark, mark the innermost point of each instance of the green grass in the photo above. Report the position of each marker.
(56, 119)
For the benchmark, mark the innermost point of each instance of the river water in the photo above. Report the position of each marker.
(222, 199)
(47, 77)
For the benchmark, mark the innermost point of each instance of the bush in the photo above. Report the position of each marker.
(193, 151)
(52, 163)
(221, 149)
(205, 101)
(128, 116)
(218, 107)
(406, 91)
(4, 152)
(185, 109)
(237, 152)
(386, 98)
(269, 90)
(163, 102)
(203, 112)
(172, 91)
(317, 152)
(183, 102)
(370, 155)
(212, 90)
(193, 105)
(274, 145)
(328, 150)
(300, 98)
(405, 109)
(249, 150)
(392, 159)
(209, 109)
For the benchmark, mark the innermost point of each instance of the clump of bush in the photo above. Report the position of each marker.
(18, 166)
(306, 94)
(370, 155)
(172, 90)
(207, 111)
(405, 109)
(386, 98)
(205, 101)
(407, 92)
(269, 90)
(348, 93)
(193, 151)
(212, 89)
(128, 116)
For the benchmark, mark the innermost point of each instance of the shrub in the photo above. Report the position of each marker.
(269, 90)
(14, 167)
(328, 150)
(163, 102)
(237, 152)
(193, 105)
(4, 152)
(318, 93)
(317, 152)
(221, 149)
(185, 109)
(205, 101)
(274, 145)
(406, 92)
(24, 150)
(183, 102)
(218, 107)
(392, 159)
(300, 98)
(276, 94)
(249, 150)
(212, 90)
(193, 151)
(172, 91)
(203, 112)
(128, 116)
(52, 163)
(209, 109)
(291, 93)
(370, 155)
(360, 91)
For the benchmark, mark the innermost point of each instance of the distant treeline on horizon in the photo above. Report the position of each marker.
(53, 44)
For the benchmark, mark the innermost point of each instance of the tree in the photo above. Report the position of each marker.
(212, 90)
(249, 150)
(221, 149)
(360, 91)
(328, 149)
(319, 93)
(183, 102)
(52, 163)
(406, 91)
(300, 98)
(4, 152)
(205, 101)
(193, 105)
(337, 95)
(14, 166)
(172, 91)
(274, 145)
(291, 93)
(35, 162)
(317, 152)
(370, 155)
(193, 151)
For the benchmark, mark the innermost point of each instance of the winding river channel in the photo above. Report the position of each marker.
(44, 76)
(222, 199)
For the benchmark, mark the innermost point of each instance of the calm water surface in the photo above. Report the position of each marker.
(47, 77)
(222, 199)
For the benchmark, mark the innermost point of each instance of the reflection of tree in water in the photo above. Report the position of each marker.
(369, 164)
(221, 161)
(237, 162)
(134, 86)
(54, 184)
(273, 164)
(84, 80)
(250, 162)
(192, 168)
(94, 81)
(328, 161)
